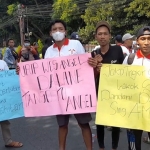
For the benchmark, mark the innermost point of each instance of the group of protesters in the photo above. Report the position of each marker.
(59, 45)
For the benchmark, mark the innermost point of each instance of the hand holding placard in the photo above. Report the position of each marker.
(62, 85)
(124, 97)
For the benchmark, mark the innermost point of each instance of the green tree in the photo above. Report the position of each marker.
(65, 10)
(138, 14)
(68, 11)
(11, 9)
(96, 11)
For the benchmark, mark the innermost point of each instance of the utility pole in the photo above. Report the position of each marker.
(21, 15)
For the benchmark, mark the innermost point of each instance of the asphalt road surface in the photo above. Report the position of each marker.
(41, 134)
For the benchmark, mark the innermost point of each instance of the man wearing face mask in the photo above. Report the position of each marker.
(27, 52)
(66, 47)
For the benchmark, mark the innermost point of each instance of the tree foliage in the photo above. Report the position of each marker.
(123, 15)
(65, 10)
(96, 10)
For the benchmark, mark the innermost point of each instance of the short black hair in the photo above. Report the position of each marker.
(10, 39)
(57, 21)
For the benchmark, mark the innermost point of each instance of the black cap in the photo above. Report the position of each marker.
(118, 38)
(103, 23)
(74, 36)
(143, 31)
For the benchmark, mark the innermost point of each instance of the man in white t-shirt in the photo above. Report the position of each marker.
(5, 125)
(66, 47)
(142, 58)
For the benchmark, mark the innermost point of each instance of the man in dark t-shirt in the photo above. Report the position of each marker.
(110, 55)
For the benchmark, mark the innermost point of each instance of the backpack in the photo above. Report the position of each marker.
(130, 58)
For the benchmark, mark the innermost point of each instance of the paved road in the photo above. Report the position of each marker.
(41, 134)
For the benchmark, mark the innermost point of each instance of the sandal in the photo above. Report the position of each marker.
(146, 140)
(14, 145)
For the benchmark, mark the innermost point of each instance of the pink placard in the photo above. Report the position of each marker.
(63, 85)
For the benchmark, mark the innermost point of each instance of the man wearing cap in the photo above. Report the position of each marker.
(128, 41)
(110, 55)
(74, 36)
(118, 41)
(142, 58)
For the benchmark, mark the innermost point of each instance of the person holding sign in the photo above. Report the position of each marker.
(141, 58)
(5, 125)
(66, 47)
(110, 55)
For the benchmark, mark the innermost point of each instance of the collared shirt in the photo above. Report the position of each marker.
(70, 47)
(139, 59)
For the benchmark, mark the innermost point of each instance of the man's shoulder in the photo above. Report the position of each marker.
(115, 47)
(50, 47)
(71, 41)
(7, 49)
(2, 62)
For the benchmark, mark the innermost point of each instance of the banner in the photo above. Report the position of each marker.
(124, 97)
(63, 85)
(10, 96)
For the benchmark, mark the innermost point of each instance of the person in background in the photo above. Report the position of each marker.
(48, 42)
(118, 41)
(128, 41)
(36, 46)
(135, 47)
(75, 36)
(27, 52)
(11, 57)
(5, 125)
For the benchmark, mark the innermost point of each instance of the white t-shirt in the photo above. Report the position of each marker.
(125, 50)
(3, 65)
(138, 61)
(70, 47)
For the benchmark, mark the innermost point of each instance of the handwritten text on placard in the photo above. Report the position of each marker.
(63, 85)
(10, 96)
(124, 97)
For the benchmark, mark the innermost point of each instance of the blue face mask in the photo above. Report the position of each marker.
(26, 44)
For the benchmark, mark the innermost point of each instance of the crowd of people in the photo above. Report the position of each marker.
(59, 45)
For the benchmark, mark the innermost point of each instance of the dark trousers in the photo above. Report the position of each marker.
(138, 136)
(115, 136)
